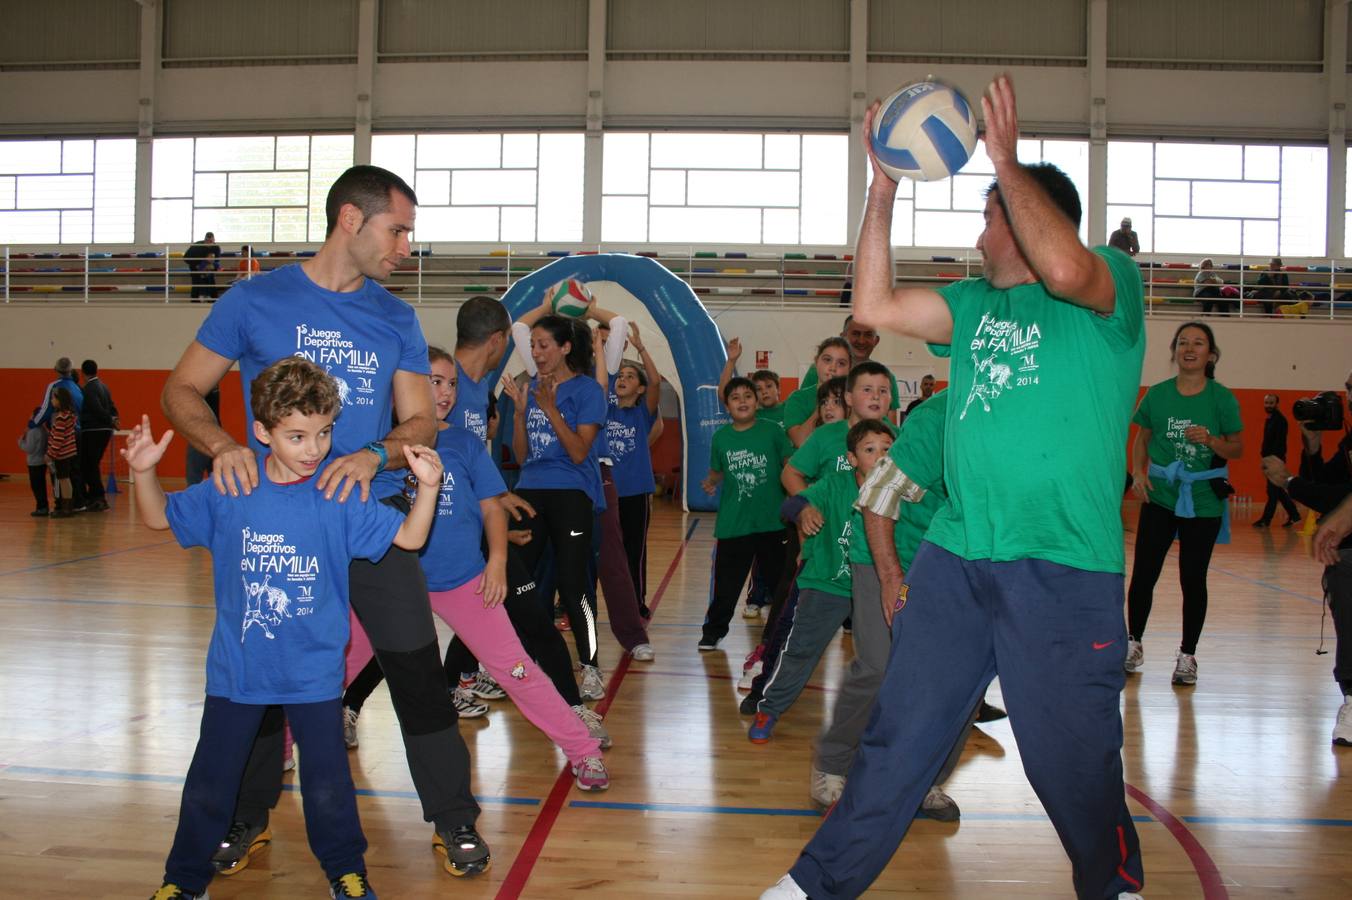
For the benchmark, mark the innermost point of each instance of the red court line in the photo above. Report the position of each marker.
(1213, 886)
(524, 864)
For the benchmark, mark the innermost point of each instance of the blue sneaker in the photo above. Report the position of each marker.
(759, 732)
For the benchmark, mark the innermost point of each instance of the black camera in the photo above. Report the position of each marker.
(1322, 412)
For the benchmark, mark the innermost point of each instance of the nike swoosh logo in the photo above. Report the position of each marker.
(1100, 646)
(574, 534)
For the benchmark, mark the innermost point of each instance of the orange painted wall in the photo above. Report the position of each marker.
(135, 391)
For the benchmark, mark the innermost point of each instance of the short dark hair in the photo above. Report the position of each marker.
(834, 387)
(367, 188)
(292, 384)
(862, 429)
(1060, 189)
(478, 320)
(765, 375)
(63, 400)
(738, 382)
(867, 367)
(89, 367)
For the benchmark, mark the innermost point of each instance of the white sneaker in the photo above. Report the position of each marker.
(593, 688)
(751, 612)
(289, 764)
(466, 706)
(350, 727)
(1185, 670)
(594, 727)
(643, 653)
(484, 686)
(1127, 895)
(749, 676)
(939, 806)
(1135, 656)
(591, 775)
(1342, 729)
(825, 788)
(785, 889)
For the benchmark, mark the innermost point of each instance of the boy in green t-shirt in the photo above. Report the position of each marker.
(767, 393)
(824, 583)
(749, 453)
(867, 396)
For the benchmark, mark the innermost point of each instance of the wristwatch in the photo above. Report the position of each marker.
(378, 449)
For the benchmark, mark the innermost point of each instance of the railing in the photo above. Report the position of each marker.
(723, 279)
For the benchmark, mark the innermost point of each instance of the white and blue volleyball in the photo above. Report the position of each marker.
(924, 131)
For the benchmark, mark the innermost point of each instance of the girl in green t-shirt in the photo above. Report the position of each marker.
(1189, 426)
(800, 410)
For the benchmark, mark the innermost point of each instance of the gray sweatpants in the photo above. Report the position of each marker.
(872, 645)
(815, 622)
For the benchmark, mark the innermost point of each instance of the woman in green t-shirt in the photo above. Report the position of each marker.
(800, 410)
(1189, 428)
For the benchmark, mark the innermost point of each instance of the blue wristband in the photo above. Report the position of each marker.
(378, 449)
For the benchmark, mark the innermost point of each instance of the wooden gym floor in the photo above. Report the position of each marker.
(1236, 787)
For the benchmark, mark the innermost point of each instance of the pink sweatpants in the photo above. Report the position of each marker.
(489, 635)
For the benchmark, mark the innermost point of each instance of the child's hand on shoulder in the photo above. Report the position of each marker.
(425, 463)
(143, 452)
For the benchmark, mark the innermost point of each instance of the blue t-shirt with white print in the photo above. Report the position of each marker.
(470, 411)
(627, 429)
(581, 401)
(361, 338)
(279, 559)
(453, 554)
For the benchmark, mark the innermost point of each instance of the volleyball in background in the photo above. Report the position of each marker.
(924, 131)
(569, 298)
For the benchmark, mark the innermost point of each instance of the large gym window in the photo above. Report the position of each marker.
(67, 191)
(490, 188)
(947, 213)
(252, 189)
(685, 188)
(1237, 199)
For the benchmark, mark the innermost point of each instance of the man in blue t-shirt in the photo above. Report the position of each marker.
(331, 310)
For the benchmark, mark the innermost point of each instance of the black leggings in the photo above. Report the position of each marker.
(635, 514)
(563, 519)
(1154, 536)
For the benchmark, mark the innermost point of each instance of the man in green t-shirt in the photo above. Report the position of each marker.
(746, 457)
(1020, 574)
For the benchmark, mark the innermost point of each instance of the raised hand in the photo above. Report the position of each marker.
(734, 349)
(515, 391)
(1002, 121)
(425, 463)
(546, 393)
(143, 452)
(880, 177)
(634, 338)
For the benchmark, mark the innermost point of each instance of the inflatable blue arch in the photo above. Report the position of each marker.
(696, 345)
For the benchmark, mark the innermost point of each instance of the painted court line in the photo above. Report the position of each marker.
(1213, 886)
(80, 559)
(524, 864)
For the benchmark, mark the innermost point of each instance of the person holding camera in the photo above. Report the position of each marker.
(1189, 427)
(1325, 485)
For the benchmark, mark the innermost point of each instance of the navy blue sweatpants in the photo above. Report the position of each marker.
(328, 796)
(1056, 638)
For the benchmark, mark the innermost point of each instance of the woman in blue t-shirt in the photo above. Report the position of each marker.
(558, 417)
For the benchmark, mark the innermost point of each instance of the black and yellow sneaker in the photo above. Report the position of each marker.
(464, 852)
(241, 842)
(353, 884)
(170, 891)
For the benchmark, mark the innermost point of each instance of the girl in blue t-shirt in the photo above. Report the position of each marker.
(630, 417)
(556, 423)
(467, 591)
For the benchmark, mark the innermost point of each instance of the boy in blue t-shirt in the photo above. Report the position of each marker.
(279, 558)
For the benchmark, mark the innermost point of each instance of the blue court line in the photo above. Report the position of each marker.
(1271, 587)
(79, 559)
(1266, 820)
(692, 808)
(178, 779)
